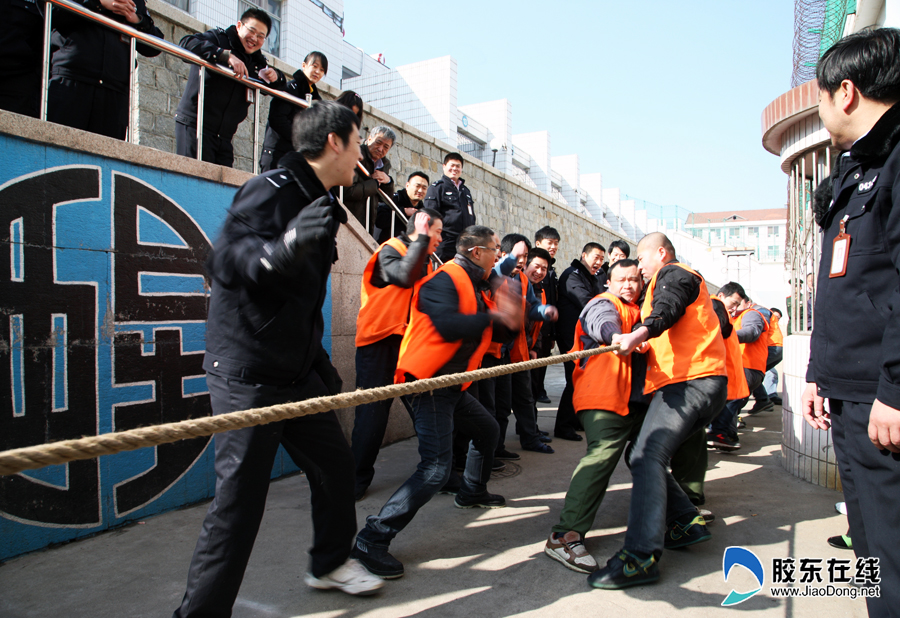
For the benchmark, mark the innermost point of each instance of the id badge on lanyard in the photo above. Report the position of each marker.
(840, 252)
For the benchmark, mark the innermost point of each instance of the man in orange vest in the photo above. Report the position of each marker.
(387, 289)
(686, 375)
(752, 329)
(765, 394)
(449, 330)
(609, 400)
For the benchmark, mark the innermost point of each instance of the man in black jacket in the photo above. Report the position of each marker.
(546, 238)
(89, 66)
(855, 346)
(226, 101)
(577, 285)
(361, 197)
(21, 54)
(450, 196)
(269, 271)
(408, 199)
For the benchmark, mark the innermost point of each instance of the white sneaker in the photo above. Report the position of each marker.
(569, 550)
(841, 508)
(351, 577)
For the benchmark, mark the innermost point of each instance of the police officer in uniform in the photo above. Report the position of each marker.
(450, 196)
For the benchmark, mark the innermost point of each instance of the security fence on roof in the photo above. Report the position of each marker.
(818, 24)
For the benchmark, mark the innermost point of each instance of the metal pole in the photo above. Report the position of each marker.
(200, 96)
(804, 322)
(256, 132)
(45, 84)
(132, 94)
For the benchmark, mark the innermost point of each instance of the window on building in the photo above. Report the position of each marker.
(773, 253)
(734, 232)
(697, 232)
(273, 9)
(715, 234)
(184, 5)
(774, 230)
(753, 231)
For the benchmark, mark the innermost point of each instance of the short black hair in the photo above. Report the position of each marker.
(546, 233)
(348, 99)
(453, 156)
(473, 236)
(511, 240)
(621, 245)
(731, 287)
(432, 214)
(538, 252)
(312, 127)
(870, 59)
(592, 246)
(776, 310)
(317, 56)
(419, 174)
(623, 263)
(260, 16)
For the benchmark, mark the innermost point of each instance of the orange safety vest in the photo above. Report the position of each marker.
(737, 381)
(754, 354)
(537, 324)
(384, 311)
(603, 382)
(776, 338)
(423, 352)
(692, 348)
(519, 344)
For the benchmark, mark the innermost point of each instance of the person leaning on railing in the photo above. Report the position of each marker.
(89, 66)
(281, 113)
(226, 101)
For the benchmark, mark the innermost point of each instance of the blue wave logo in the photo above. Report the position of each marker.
(739, 556)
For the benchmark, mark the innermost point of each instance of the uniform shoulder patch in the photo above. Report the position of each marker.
(280, 179)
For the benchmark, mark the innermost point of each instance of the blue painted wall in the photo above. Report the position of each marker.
(102, 326)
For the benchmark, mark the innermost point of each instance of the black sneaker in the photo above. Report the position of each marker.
(451, 487)
(568, 435)
(481, 501)
(689, 532)
(761, 405)
(498, 466)
(624, 570)
(544, 438)
(506, 455)
(360, 493)
(377, 561)
(724, 443)
(542, 398)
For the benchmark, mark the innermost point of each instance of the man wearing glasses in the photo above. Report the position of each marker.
(226, 101)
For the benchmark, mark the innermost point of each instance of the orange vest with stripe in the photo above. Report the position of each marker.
(384, 311)
(737, 381)
(423, 352)
(692, 348)
(754, 354)
(603, 382)
(776, 338)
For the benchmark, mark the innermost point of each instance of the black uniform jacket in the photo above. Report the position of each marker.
(855, 347)
(226, 101)
(85, 51)
(280, 126)
(577, 286)
(265, 327)
(457, 208)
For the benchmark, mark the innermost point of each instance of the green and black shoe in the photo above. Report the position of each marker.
(687, 532)
(624, 570)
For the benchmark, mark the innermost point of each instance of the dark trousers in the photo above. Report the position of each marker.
(494, 394)
(524, 409)
(871, 483)
(776, 353)
(217, 149)
(689, 464)
(244, 459)
(565, 413)
(269, 159)
(375, 366)
(676, 412)
(726, 421)
(437, 412)
(89, 108)
(21, 93)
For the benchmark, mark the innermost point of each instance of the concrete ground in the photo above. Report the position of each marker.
(464, 562)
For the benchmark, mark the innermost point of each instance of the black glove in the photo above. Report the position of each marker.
(312, 225)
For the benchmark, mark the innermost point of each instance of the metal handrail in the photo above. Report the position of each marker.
(167, 47)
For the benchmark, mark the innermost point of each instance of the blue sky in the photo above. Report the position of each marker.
(663, 98)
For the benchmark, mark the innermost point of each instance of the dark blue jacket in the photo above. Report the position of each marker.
(855, 347)
(456, 207)
(280, 126)
(265, 327)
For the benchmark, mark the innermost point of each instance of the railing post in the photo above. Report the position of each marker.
(132, 94)
(200, 96)
(256, 99)
(45, 84)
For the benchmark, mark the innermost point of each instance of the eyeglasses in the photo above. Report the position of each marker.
(254, 32)
(494, 249)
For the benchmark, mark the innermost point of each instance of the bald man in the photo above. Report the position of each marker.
(687, 378)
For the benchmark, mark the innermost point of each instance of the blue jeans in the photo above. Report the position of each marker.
(435, 415)
(770, 381)
(726, 421)
(676, 412)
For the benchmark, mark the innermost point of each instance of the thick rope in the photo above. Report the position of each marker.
(53, 453)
